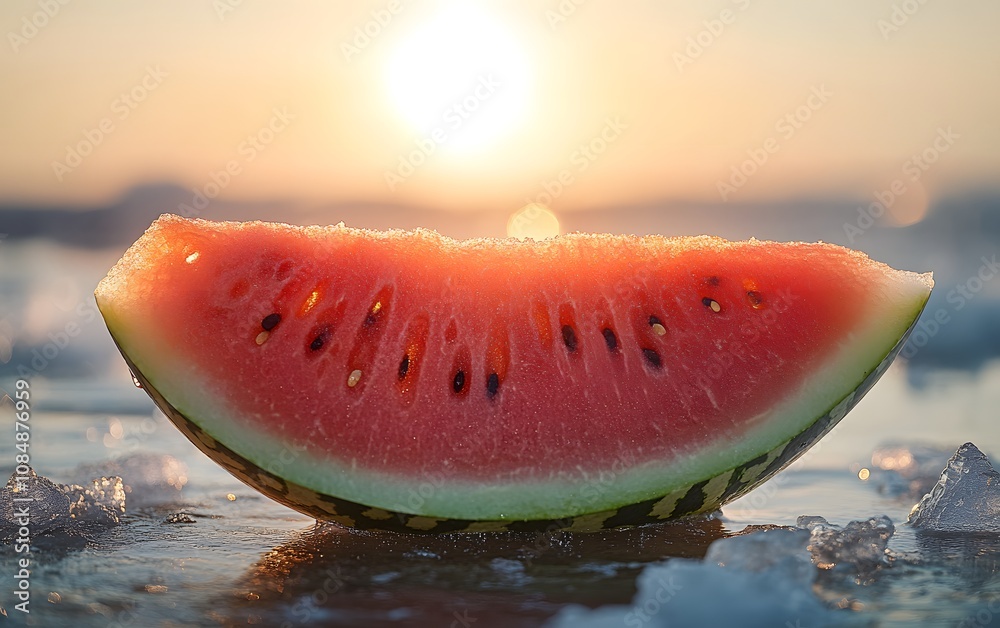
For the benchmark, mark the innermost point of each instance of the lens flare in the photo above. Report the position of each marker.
(534, 221)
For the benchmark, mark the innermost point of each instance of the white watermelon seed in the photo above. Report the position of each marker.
(262, 337)
(712, 303)
(657, 325)
(354, 378)
(190, 259)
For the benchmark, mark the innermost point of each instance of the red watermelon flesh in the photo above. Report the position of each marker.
(494, 379)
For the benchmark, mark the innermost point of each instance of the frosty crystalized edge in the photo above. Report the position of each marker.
(965, 499)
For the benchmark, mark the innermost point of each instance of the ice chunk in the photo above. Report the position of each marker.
(907, 470)
(101, 501)
(860, 548)
(775, 548)
(48, 507)
(965, 499)
(149, 479)
(510, 572)
(53, 507)
(179, 517)
(759, 579)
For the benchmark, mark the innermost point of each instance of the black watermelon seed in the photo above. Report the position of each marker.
(610, 339)
(754, 297)
(492, 385)
(569, 337)
(459, 382)
(270, 321)
(404, 367)
(652, 357)
(320, 340)
(654, 320)
(707, 302)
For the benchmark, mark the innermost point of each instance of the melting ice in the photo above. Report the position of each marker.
(763, 577)
(55, 507)
(965, 499)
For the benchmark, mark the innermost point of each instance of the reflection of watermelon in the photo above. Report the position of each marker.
(407, 381)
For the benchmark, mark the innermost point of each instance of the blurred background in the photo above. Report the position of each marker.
(865, 123)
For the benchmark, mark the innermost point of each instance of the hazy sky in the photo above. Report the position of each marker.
(488, 104)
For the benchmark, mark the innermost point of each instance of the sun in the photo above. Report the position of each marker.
(460, 79)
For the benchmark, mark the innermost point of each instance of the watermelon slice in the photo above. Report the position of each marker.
(402, 380)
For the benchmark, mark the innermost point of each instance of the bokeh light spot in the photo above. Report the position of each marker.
(535, 221)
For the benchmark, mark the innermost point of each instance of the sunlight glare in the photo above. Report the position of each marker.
(460, 79)
(535, 221)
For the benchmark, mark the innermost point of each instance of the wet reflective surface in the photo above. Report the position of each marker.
(196, 547)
